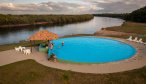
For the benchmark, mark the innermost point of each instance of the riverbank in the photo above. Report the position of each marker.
(125, 30)
(29, 20)
(24, 25)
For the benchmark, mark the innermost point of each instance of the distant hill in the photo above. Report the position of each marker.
(138, 15)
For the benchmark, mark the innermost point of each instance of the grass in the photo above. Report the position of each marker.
(13, 45)
(131, 27)
(31, 72)
(139, 29)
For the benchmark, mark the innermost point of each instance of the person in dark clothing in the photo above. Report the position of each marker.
(62, 43)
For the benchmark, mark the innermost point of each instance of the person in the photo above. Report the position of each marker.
(62, 43)
(49, 44)
(52, 45)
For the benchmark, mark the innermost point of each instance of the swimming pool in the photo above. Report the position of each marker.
(88, 49)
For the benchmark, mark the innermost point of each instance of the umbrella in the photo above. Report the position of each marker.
(43, 35)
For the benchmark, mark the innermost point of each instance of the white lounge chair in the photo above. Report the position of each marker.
(130, 38)
(140, 41)
(22, 48)
(27, 51)
(17, 48)
(136, 39)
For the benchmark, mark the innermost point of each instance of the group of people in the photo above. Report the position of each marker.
(51, 45)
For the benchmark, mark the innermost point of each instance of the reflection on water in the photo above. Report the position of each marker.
(89, 27)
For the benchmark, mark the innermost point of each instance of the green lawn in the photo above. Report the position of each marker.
(13, 45)
(31, 72)
(131, 27)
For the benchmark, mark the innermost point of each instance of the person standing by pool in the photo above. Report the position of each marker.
(52, 45)
(49, 44)
(51, 49)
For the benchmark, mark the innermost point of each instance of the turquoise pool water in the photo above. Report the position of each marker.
(91, 50)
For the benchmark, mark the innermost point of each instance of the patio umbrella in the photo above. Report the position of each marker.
(43, 35)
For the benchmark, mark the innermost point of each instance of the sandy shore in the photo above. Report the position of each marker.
(137, 61)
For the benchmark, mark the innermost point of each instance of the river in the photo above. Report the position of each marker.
(88, 27)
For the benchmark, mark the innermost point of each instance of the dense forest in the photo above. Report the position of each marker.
(121, 16)
(34, 19)
(136, 16)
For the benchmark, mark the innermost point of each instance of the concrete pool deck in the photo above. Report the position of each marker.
(137, 61)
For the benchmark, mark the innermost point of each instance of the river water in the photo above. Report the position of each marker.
(89, 27)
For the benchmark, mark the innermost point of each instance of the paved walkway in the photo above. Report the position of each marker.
(138, 61)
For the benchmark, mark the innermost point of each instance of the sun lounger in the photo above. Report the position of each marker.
(27, 51)
(136, 39)
(22, 48)
(130, 38)
(140, 41)
(17, 48)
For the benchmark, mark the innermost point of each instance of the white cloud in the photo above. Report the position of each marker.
(8, 5)
(95, 7)
(70, 7)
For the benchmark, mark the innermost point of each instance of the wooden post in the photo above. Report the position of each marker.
(34, 45)
(31, 45)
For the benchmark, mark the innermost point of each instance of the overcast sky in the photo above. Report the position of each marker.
(69, 6)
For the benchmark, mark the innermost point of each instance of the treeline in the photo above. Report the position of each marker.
(50, 19)
(136, 16)
(121, 16)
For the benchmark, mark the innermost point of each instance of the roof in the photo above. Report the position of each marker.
(43, 35)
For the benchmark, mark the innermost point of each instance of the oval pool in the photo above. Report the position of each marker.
(91, 50)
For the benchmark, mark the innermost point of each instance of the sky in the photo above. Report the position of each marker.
(69, 6)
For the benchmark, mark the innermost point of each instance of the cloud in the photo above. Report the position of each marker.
(69, 7)
(117, 6)
(44, 8)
